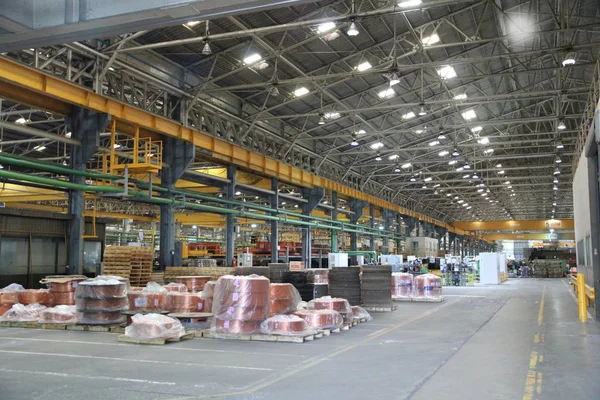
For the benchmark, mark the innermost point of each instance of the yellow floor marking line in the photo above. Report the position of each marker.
(533, 382)
(541, 311)
(533, 360)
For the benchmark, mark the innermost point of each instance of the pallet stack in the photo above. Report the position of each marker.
(345, 283)
(117, 261)
(133, 263)
(214, 272)
(376, 286)
(540, 269)
(554, 268)
(141, 266)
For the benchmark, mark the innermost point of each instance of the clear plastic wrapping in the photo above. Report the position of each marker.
(330, 303)
(286, 325)
(284, 298)
(154, 326)
(101, 289)
(240, 304)
(176, 287)
(427, 286)
(101, 318)
(99, 305)
(360, 313)
(321, 319)
(23, 313)
(184, 302)
(13, 287)
(402, 285)
(62, 314)
(141, 300)
(193, 283)
(100, 301)
(153, 287)
(33, 296)
(7, 300)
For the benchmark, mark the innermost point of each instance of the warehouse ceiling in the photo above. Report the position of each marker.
(461, 110)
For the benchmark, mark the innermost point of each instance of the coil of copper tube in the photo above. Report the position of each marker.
(193, 283)
(152, 329)
(339, 305)
(246, 300)
(209, 289)
(64, 287)
(5, 308)
(243, 314)
(184, 302)
(51, 315)
(8, 298)
(176, 287)
(88, 290)
(280, 306)
(30, 296)
(100, 318)
(237, 327)
(321, 319)
(243, 284)
(96, 305)
(281, 291)
(146, 301)
(63, 298)
(286, 327)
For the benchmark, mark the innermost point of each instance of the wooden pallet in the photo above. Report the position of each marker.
(407, 299)
(214, 272)
(380, 309)
(68, 327)
(208, 334)
(158, 341)
(328, 332)
(419, 300)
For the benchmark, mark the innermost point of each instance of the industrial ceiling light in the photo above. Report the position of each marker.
(378, 158)
(40, 147)
(447, 72)
(252, 59)
(321, 119)
(483, 140)
(422, 110)
(434, 143)
(476, 129)
(429, 40)
(555, 180)
(192, 23)
(238, 193)
(274, 89)
(469, 114)
(501, 172)
(488, 151)
(460, 169)
(413, 179)
(475, 176)
(419, 131)
(386, 94)
(301, 91)
(393, 157)
(394, 79)
(455, 153)
(325, 27)
(396, 169)
(406, 166)
(409, 115)
(21, 121)
(354, 143)
(559, 145)
(561, 125)
(462, 96)
(557, 171)
(428, 179)
(557, 160)
(376, 145)
(206, 50)
(452, 162)
(424, 187)
(467, 166)
(498, 165)
(364, 66)
(569, 59)
(443, 153)
(409, 3)
(353, 29)
(555, 187)
(554, 204)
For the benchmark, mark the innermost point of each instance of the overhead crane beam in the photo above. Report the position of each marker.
(37, 89)
(525, 225)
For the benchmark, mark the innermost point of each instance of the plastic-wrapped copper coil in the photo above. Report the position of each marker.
(193, 283)
(243, 314)
(146, 301)
(176, 287)
(88, 290)
(339, 305)
(152, 329)
(209, 289)
(427, 285)
(282, 291)
(321, 319)
(280, 306)
(4, 308)
(245, 300)
(8, 298)
(287, 327)
(63, 298)
(244, 284)
(402, 284)
(64, 287)
(96, 305)
(237, 327)
(184, 302)
(30, 296)
(53, 315)
(100, 318)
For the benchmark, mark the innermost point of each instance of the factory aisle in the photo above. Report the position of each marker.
(519, 340)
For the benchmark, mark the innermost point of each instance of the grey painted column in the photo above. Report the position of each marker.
(230, 219)
(398, 232)
(275, 224)
(314, 197)
(372, 226)
(334, 213)
(445, 241)
(387, 214)
(357, 207)
(177, 156)
(85, 126)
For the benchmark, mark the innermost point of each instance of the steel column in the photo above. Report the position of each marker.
(229, 219)
(357, 207)
(275, 224)
(334, 212)
(398, 232)
(314, 197)
(387, 214)
(372, 226)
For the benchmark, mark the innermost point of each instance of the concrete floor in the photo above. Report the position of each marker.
(520, 340)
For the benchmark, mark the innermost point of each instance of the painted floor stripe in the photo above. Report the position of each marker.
(134, 360)
(462, 295)
(101, 378)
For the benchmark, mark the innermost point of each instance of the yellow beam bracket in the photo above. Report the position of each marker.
(525, 225)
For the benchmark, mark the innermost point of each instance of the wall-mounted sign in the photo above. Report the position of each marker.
(554, 224)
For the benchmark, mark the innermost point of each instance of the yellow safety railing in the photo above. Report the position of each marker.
(585, 295)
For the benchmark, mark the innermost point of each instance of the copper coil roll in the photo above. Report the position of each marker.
(30, 296)
(402, 284)
(321, 319)
(100, 318)
(338, 305)
(245, 300)
(193, 283)
(8, 298)
(64, 287)
(86, 291)
(184, 302)
(176, 287)
(281, 291)
(427, 285)
(152, 329)
(209, 289)
(244, 284)
(97, 305)
(242, 314)
(290, 327)
(4, 308)
(280, 306)
(50, 316)
(208, 305)
(63, 298)
(237, 327)
(134, 288)
(146, 301)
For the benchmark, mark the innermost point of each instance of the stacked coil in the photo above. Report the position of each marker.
(336, 304)
(402, 285)
(62, 288)
(277, 272)
(208, 293)
(176, 287)
(61, 314)
(286, 325)
(427, 286)
(284, 298)
(345, 283)
(240, 304)
(376, 286)
(32, 296)
(7, 300)
(194, 284)
(321, 319)
(182, 302)
(100, 301)
(146, 301)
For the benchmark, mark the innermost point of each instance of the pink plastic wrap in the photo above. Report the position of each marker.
(402, 285)
(154, 326)
(240, 304)
(427, 286)
(62, 314)
(321, 319)
(22, 313)
(284, 298)
(286, 325)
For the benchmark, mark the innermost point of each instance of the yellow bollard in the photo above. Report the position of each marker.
(581, 298)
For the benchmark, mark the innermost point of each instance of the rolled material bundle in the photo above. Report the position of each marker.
(62, 288)
(7, 300)
(376, 286)
(321, 319)
(193, 283)
(100, 301)
(277, 272)
(331, 303)
(247, 271)
(286, 325)
(284, 298)
(402, 285)
(22, 313)
(345, 283)
(427, 286)
(176, 287)
(32, 296)
(154, 326)
(182, 302)
(208, 293)
(146, 301)
(61, 314)
(240, 304)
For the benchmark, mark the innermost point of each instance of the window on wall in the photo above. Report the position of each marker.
(580, 253)
(588, 250)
